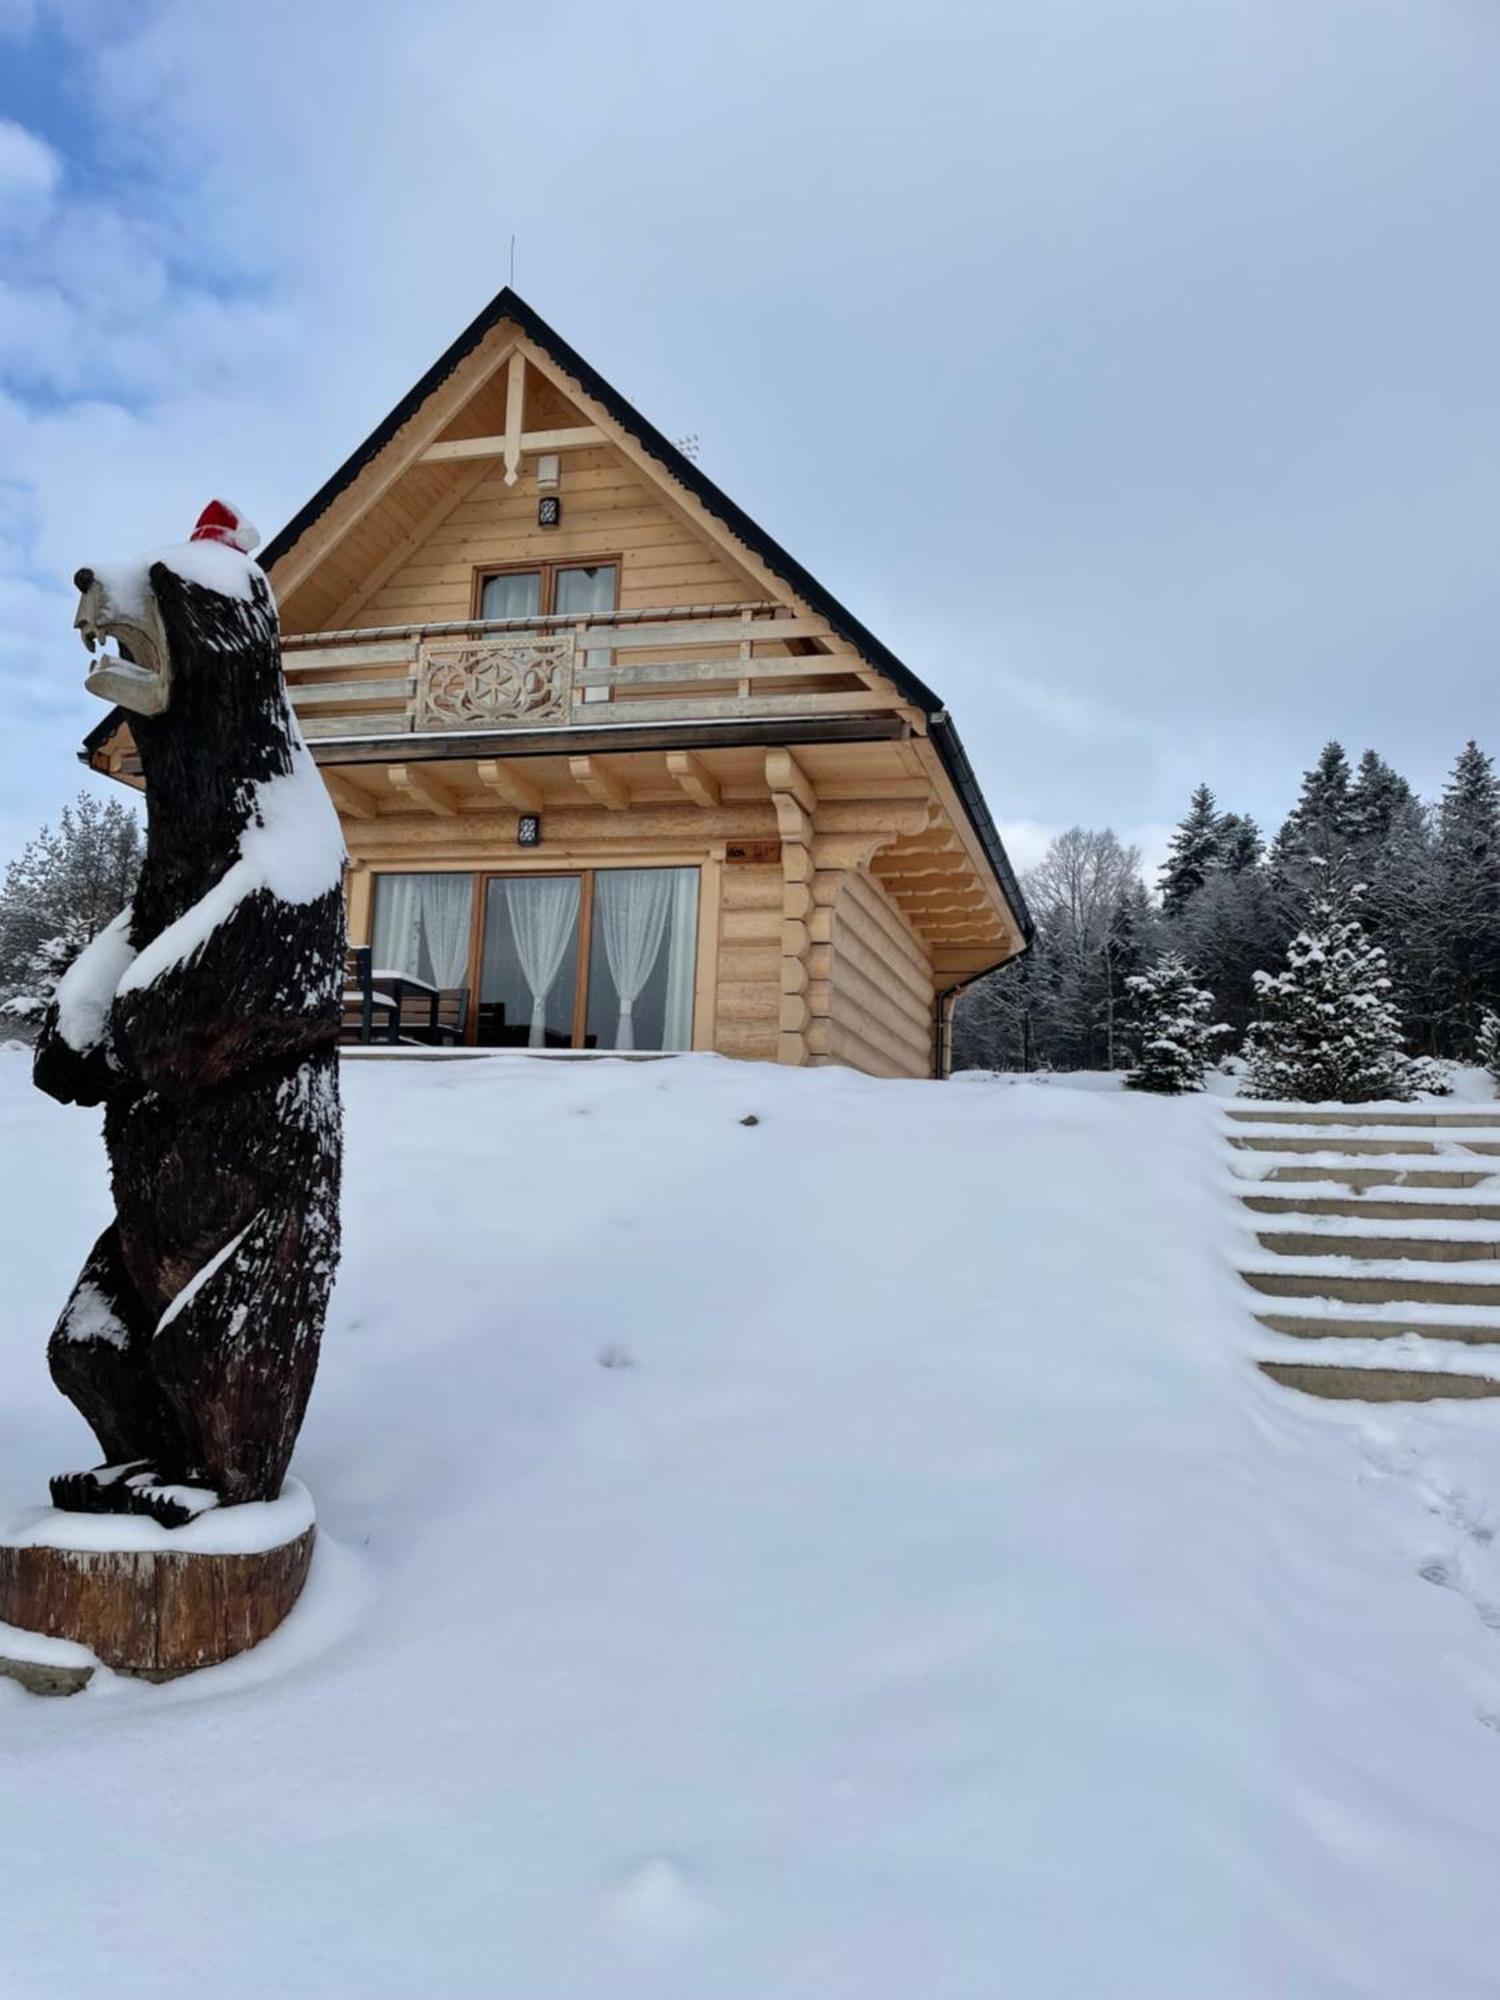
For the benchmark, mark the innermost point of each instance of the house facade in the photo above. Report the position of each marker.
(605, 755)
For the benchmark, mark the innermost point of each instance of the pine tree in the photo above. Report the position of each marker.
(1232, 927)
(1240, 843)
(60, 891)
(1487, 1046)
(1176, 1028)
(1467, 908)
(1378, 797)
(1193, 853)
(1316, 833)
(1328, 1031)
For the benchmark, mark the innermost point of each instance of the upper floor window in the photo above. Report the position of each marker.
(571, 590)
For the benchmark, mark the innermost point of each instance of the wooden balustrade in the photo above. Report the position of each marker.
(654, 665)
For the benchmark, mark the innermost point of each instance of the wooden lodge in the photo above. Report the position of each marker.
(610, 764)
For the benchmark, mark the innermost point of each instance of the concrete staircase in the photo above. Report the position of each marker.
(1367, 1225)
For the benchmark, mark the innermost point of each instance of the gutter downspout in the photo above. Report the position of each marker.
(940, 1002)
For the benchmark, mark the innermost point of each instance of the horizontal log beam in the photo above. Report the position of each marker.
(507, 783)
(596, 778)
(694, 776)
(351, 801)
(423, 789)
(577, 437)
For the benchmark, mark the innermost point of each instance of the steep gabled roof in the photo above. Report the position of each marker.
(508, 306)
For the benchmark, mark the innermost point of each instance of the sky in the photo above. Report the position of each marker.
(1130, 369)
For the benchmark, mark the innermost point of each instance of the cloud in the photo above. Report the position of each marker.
(1127, 369)
(29, 169)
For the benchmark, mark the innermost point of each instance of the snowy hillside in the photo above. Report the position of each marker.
(849, 1556)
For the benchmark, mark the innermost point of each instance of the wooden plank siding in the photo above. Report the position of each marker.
(609, 513)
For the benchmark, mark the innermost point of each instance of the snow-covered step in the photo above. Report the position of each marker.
(1368, 1174)
(1358, 1282)
(1376, 1385)
(1391, 1204)
(1414, 1242)
(1334, 1146)
(1322, 1321)
(1298, 1115)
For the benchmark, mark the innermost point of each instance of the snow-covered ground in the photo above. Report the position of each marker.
(849, 1556)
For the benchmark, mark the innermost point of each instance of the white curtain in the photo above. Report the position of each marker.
(413, 910)
(397, 943)
(682, 956)
(445, 904)
(543, 917)
(632, 906)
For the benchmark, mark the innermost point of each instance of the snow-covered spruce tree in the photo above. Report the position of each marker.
(1467, 909)
(1328, 1030)
(1177, 1031)
(1487, 1046)
(59, 892)
(1192, 854)
(1315, 834)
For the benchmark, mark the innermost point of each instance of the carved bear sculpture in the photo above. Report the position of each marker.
(205, 1020)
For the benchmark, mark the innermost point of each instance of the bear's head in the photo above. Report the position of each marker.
(186, 642)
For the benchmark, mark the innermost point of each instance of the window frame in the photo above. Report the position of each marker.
(480, 880)
(545, 568)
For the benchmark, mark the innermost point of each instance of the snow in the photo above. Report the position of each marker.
(214, 565)
(224, 1531)
(202, 1275)
(86, 991)
(90, 1316)
(940, 1603)
(291, 847)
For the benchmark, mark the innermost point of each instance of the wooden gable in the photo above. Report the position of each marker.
(439, 505)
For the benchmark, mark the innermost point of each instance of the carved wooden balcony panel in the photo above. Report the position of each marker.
(486, 683)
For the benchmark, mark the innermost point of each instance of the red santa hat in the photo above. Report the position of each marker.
(221, 521)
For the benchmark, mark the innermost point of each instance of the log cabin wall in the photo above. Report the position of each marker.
(871, 994)
(749, 961)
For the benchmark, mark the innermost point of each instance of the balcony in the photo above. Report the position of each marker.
(676, 664)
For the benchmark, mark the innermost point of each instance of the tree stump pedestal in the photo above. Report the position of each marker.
(147, 1600)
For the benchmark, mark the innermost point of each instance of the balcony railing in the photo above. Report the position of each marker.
(676, 664)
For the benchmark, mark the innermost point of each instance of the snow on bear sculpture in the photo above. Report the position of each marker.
(205, 1019)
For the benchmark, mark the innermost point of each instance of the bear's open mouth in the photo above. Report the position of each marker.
(129, 650)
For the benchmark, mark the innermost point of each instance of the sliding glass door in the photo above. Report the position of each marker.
(604, 958)
(528, 961)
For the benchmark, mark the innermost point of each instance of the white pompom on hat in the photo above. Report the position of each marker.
(222, 521)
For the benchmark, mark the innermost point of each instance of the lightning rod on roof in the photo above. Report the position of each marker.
(513, 260)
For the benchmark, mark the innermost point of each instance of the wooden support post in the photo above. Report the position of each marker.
(600, 782)
(415, 784)
(507, 783)
(359, 903)
(515, 391)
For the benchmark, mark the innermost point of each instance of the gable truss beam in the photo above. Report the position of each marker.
(578, 438)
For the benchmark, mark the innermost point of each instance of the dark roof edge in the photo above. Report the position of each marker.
(509, 305)
(949, 746)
